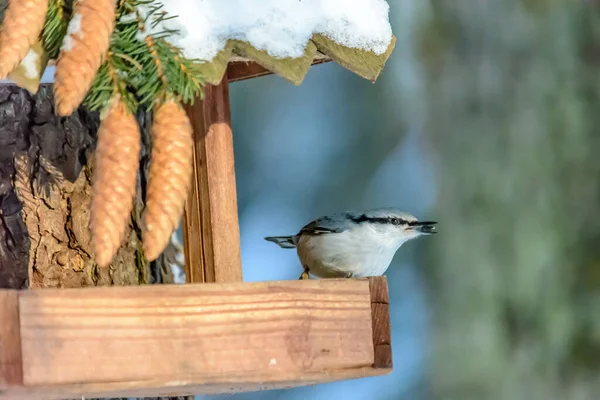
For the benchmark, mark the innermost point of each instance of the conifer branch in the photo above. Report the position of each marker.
(117, 76)
(147, 69)
(55, 26)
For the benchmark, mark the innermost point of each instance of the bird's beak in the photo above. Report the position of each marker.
(425, 227)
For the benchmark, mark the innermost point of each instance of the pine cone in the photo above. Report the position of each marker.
(82, 53)
(169, 178)
(115, 176)
(22, 25)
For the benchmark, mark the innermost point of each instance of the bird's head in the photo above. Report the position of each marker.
(396, 225)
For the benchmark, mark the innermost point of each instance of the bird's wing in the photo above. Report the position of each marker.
(332, 224)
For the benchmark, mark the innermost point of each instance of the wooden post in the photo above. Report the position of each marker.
(210, 222)
(380, 314)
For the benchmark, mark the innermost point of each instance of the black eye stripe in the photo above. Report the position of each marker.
(382, 220)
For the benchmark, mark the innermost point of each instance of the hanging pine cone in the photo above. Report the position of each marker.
(115, 174)
(82, 53)
(22, 25)
(169, 178)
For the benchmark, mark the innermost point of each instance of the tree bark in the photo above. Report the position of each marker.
(46, 170)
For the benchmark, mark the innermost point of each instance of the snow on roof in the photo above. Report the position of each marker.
(282, 28)
(283, 36)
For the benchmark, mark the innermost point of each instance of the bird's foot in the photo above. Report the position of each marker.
(304, 275)
(349, 275)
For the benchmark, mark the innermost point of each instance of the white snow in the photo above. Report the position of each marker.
(30, 63)
(73, 30)
(127, 18)
(281, 27)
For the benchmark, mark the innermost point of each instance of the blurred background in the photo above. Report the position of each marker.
(485, 119)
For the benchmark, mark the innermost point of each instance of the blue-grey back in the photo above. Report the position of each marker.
(341, 222)
(335, 223)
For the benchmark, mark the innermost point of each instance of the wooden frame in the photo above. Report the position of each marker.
(210, 221)
(220, 336)
(242, 70)
(210, 214)
(160, 340)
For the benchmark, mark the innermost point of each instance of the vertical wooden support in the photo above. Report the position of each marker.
(11, 368)
(210, 221)
(380, 314)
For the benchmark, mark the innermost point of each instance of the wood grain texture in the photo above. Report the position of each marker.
(210, 221)
(382, 332)
(227, 337)
(182, 387)
(169, 340)
(10, 340)
(242, 70)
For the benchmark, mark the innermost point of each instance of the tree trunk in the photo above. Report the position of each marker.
(46, 169)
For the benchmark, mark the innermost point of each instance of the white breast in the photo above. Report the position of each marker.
(361, 252)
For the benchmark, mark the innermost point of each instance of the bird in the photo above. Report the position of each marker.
(353, 244)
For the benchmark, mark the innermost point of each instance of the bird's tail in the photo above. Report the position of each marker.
(285, 242)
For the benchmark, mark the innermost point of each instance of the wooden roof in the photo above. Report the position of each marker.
(319, 49)
(241, 58)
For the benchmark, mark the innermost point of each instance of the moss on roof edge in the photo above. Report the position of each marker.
(363, 63)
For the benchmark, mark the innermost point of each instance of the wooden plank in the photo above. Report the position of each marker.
(181, 387)
(10, 340)
(382, 332)
(210, 221)
(89, 335)
(192, 339)
(242, 70)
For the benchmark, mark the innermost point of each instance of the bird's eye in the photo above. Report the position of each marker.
(395, 221)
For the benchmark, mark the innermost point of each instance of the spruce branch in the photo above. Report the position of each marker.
(184, 75)
(181, 77)
(157, 73)
(55, 26)
(141, 68)
(116, 77)
(167, 74)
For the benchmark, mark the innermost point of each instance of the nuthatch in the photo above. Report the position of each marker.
(350, 244)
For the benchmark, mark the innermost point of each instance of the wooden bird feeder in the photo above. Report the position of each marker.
(215, 334)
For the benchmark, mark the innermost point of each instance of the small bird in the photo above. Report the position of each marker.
(351, 244)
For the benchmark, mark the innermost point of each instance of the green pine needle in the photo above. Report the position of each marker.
(3, 5)
(55, 26)
(117, 76)
(139, 74)
(143, 75)
(183, 75)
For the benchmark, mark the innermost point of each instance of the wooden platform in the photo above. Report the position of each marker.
(164, 340)
(220, 336)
